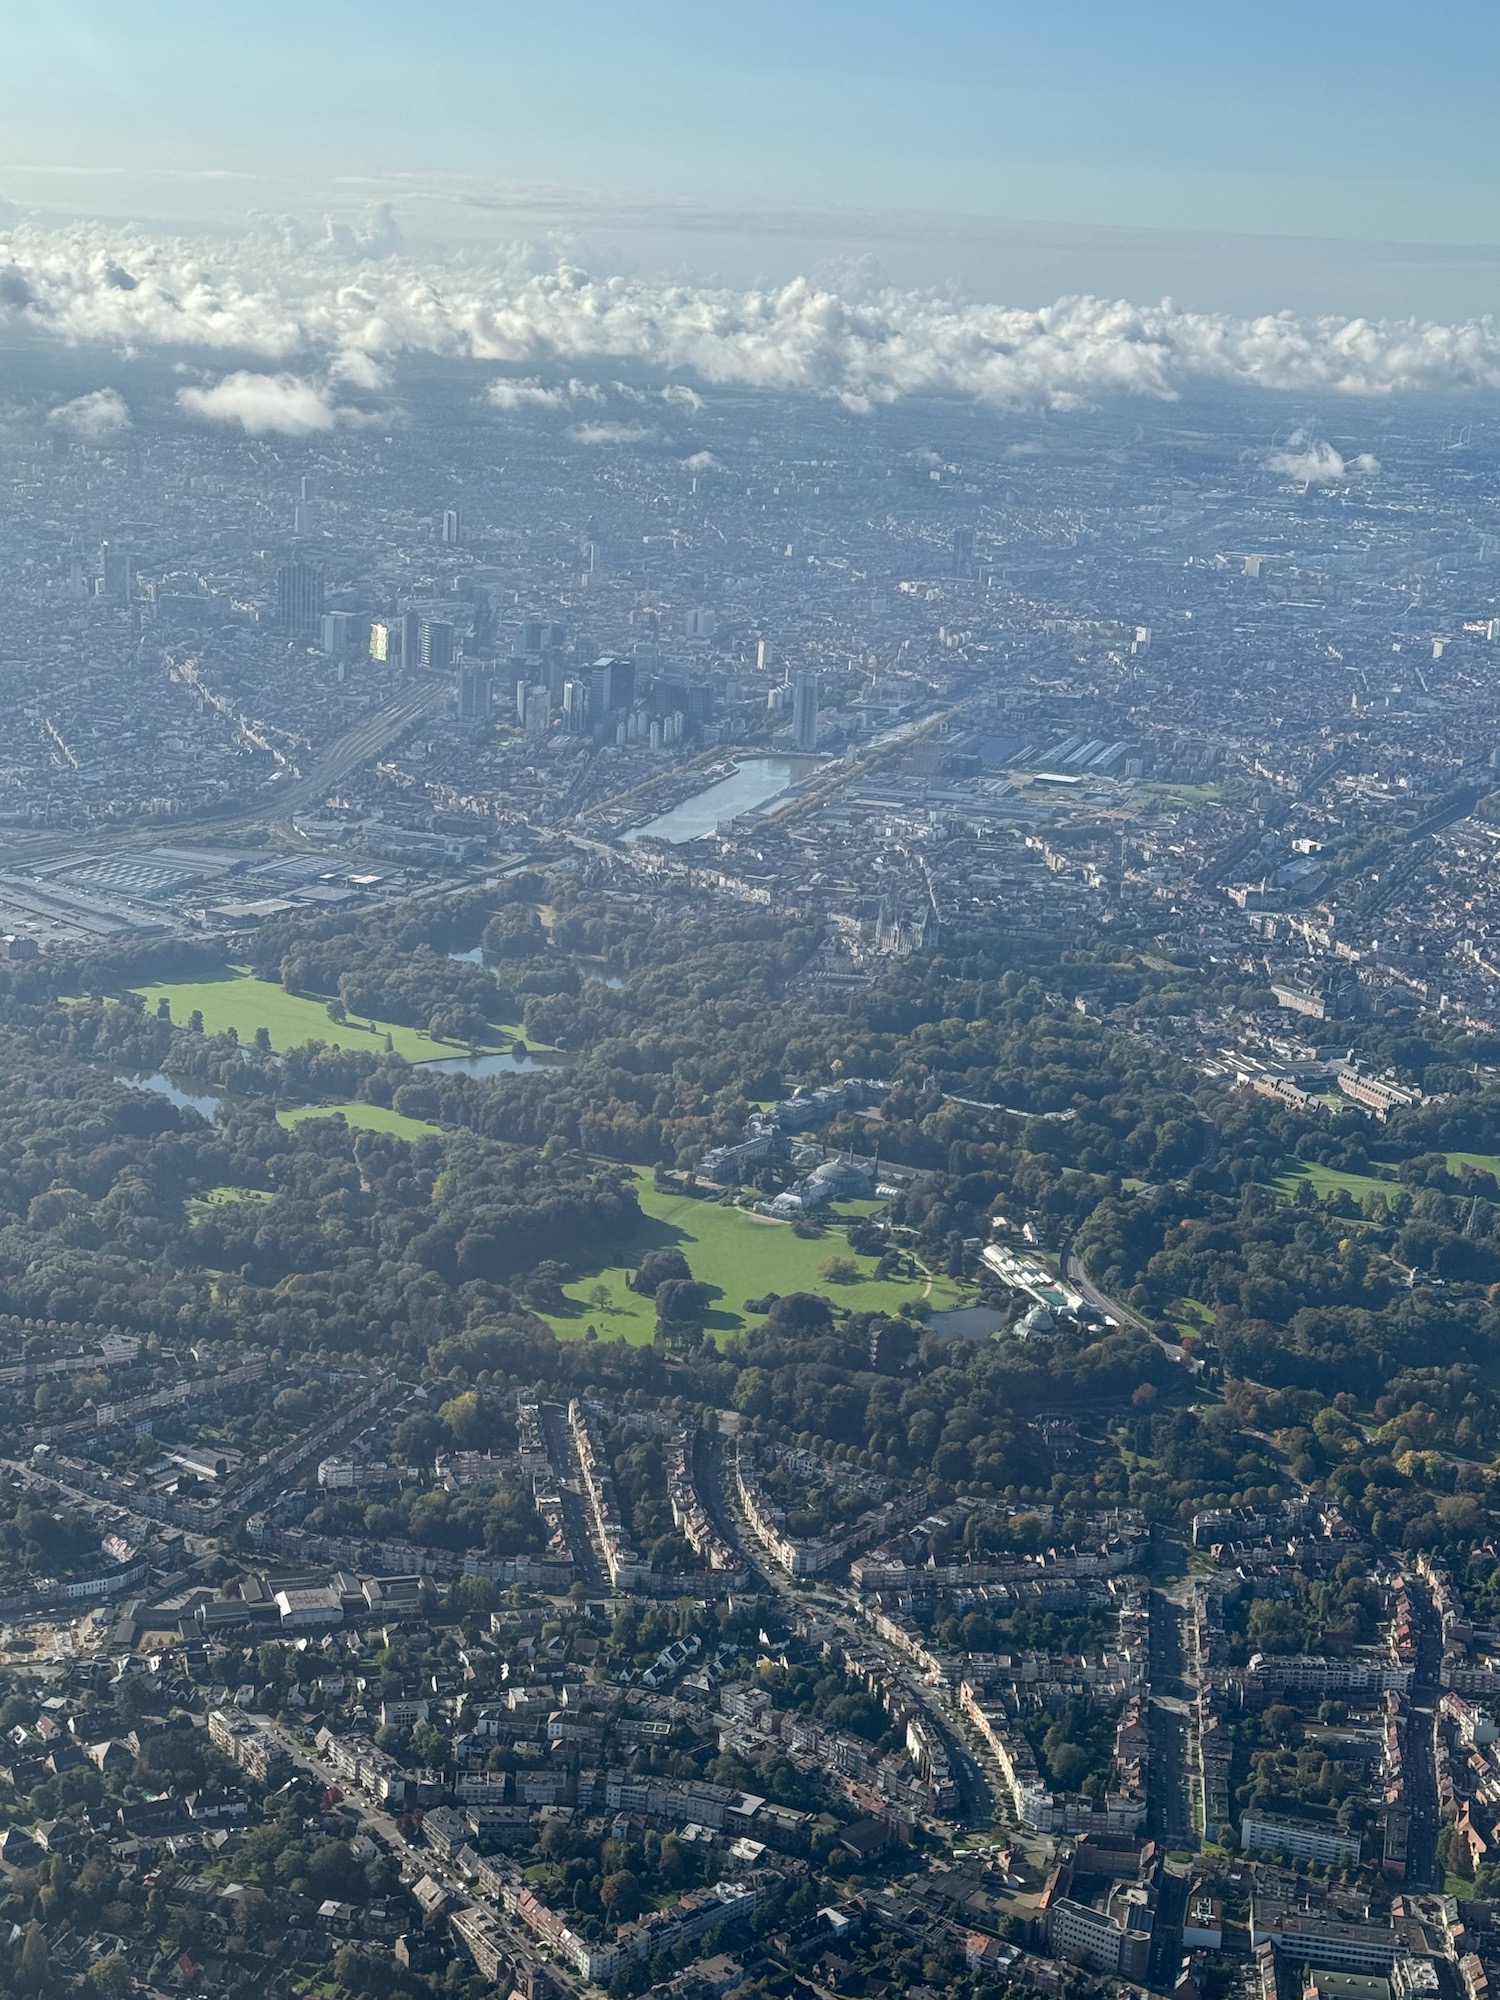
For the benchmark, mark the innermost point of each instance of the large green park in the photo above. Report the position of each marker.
(739, 1256)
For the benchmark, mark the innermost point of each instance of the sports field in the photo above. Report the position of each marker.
(371, 1117)
(738, 1256)
(240, 1001)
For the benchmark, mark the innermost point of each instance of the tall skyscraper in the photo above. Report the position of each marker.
(575, 705)
(611, 684)
(299, 597)
(963, 551)
(411, 642)
(436, 646)
(452, 528)
(116, 574)
(385, 640)
(805, 712)
(537, 717)
(342, 633)
(475, 689)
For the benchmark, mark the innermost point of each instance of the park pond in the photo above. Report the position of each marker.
(498, 1062)
(203, 1102)
(593, 968)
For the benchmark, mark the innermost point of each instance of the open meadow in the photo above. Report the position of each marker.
(240, 1001)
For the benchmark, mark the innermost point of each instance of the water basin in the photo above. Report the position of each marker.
(754, 782)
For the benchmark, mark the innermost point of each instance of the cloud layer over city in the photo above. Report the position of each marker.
(344, 305)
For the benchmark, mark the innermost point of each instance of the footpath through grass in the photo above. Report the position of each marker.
(238, 1000)
(739, 1256)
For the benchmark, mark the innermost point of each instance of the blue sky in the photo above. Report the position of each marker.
(1323, 119)
(1309, 155)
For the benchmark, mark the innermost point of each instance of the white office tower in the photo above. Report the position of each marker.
(805, 712)
(575, 703)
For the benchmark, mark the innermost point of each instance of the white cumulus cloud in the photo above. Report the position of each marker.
(101, 414)
(262, 405)
(608, 433)
(359, 370)
(293, 301)
(1306, 460)
(702, 461)
(527, 393)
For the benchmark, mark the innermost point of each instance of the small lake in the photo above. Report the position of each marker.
(755, 782)
(186, 1100)
(597, 969)
(474, 957)
(496, 1063)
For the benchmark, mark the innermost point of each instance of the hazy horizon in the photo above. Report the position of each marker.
(1314, 161)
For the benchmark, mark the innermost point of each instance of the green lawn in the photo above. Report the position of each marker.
(1192, 1313)
(1325, 1179)
(372, 1117)
(739, 1256)
(240, 1001)
(219, 1196)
